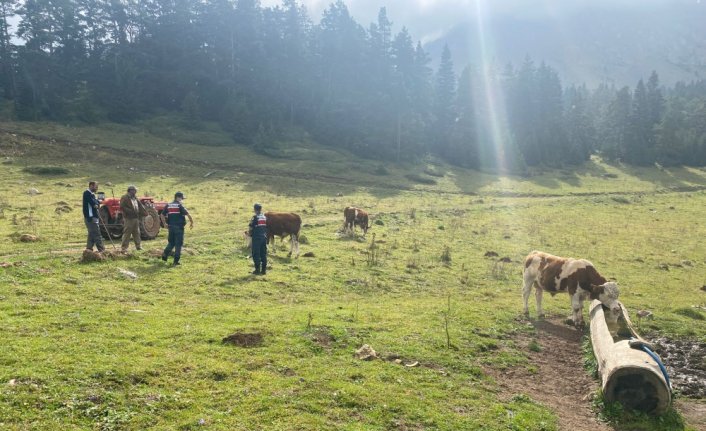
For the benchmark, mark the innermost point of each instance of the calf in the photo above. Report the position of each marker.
(577, 277)
(355, 217)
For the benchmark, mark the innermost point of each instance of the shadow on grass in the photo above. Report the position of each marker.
(673, 177)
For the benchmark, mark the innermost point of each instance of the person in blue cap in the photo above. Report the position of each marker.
(174, 216)
(258, 233)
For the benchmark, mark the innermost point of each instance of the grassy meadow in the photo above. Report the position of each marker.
(86, 348)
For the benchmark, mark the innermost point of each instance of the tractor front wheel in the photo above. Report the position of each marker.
(150, 224)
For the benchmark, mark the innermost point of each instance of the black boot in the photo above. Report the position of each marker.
(257, 270)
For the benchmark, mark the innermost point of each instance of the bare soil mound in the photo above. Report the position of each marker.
(244, 339)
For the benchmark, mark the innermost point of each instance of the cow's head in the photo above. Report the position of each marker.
(608, 295)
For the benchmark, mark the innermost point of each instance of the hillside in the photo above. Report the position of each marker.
(434, 288)
(617, 45)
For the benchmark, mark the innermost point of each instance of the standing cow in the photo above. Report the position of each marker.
(282, 225)
(577, 277)
(355, 217)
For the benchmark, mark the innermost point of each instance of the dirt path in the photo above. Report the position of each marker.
(560, 382)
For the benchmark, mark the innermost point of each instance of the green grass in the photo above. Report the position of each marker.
(89, 349)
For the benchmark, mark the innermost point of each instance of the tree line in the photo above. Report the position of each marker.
(269, 74)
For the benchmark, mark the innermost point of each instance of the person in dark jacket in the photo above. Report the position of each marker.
(174, 216)
(91, 217)
(133, 211)
(258, 233)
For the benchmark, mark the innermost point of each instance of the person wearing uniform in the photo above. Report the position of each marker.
(258, 233)
(91, 217)
(174, 215)
(133, 210)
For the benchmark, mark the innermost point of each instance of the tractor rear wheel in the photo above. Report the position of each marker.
(150, 224)
(110, 228)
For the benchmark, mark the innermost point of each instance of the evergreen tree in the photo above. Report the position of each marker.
(639, 147)
(444, 102)
(464, 144)
(616, 125)
(580, 130)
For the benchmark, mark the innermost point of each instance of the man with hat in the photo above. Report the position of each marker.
(133, 211)
(258, 233)
(174, 215)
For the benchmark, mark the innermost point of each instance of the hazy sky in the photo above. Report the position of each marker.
(429, 19)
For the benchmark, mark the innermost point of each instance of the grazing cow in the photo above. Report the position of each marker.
(282, 225)
(355, 217)
(577, 277)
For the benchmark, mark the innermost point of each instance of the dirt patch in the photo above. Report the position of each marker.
(322, 336)
(244, 339)
(559, 381)
(686, 364)
(89, 256)
(694, 412)
(26, 237)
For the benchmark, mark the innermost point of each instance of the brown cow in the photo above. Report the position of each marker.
(282, 225)
(577, 277)
(355, 217)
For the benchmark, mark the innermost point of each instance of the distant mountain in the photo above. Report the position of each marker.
(593, 46)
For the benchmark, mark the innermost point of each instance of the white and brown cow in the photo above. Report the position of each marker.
(282, 225)
(577, 277)
(355, 217)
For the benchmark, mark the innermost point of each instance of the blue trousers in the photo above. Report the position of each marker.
(259, 254)
(176, 240)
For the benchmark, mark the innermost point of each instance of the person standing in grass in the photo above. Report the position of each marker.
(174, 215)
(91, 217)
(258, 233)
(133, 210)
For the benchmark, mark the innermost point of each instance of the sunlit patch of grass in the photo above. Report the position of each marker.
(86, 346)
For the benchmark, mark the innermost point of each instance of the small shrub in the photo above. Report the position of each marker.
(433, 172)
(421, 179)
(446, 255)
(46, 170)
(534, 346)
(381, 170)
(621, 199)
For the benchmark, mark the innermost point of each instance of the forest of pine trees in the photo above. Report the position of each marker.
(263, 72)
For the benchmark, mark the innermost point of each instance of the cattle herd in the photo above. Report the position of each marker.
(543, 271)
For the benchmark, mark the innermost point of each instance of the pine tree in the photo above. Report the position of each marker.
(464, 141)
(616, 125)
(444, 102)
(639, 147)
(581, 133)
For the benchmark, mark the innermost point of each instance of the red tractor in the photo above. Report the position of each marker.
(111, 218)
